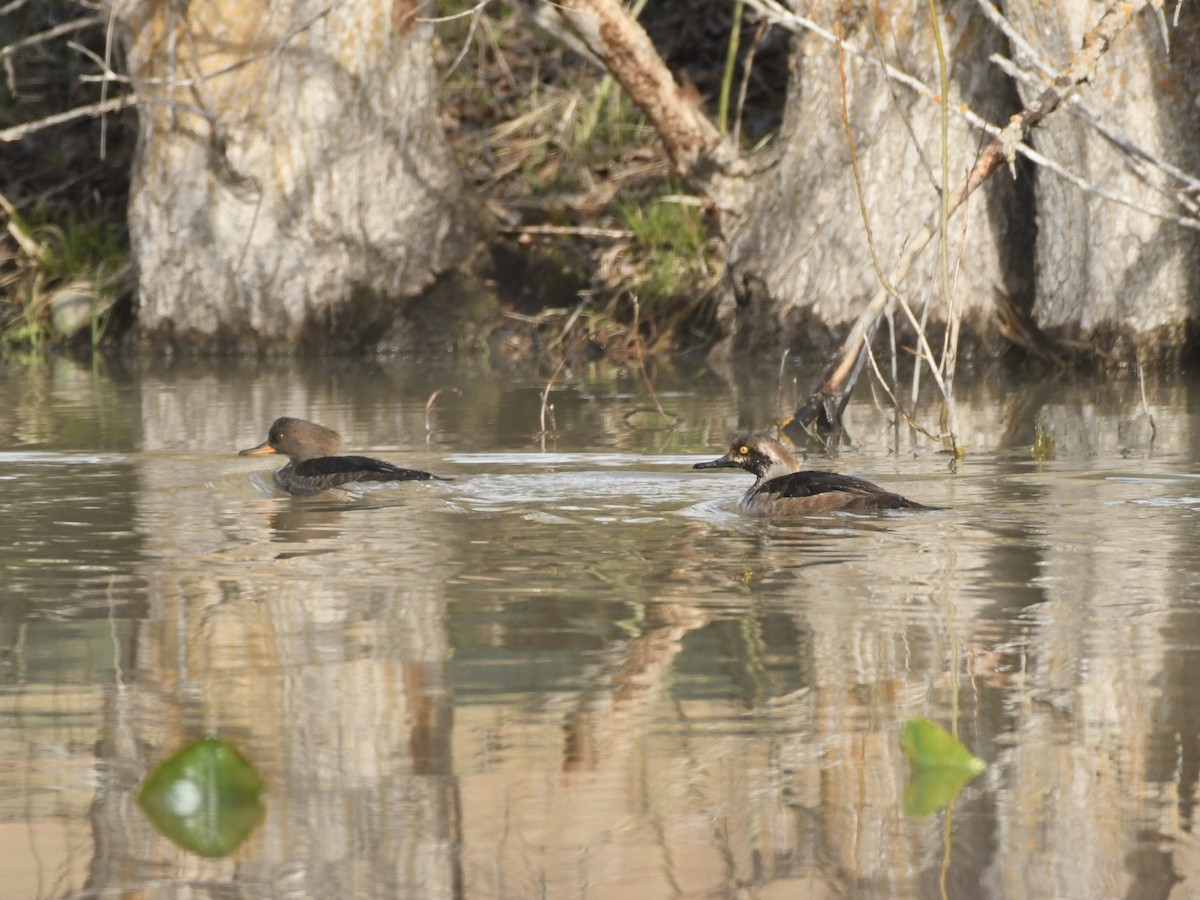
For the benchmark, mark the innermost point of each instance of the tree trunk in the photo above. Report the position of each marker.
(292, 184)
(1106, 273)
(800, 262)
(799, 265)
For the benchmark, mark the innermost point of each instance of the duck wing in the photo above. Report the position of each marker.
(327, 472)
(817, 491)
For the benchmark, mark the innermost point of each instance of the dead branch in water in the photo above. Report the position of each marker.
(429, 408)
(942, 373)
(1145, 404)
(820, 406)
(547, 409)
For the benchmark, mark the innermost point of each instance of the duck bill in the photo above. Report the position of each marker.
(263, 449)
(723, 463)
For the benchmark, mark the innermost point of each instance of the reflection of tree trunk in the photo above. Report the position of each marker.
(432, 718)
(292, 179)
(353, 741)
(338, 695)
(593, 733)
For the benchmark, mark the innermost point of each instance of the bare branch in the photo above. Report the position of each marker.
(50, 34)
(616, 38)
(12, 7)
(80, 112)
(1077, 105)
(585, 231)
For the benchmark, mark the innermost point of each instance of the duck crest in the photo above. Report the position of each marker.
(299, 439)
(770, 458)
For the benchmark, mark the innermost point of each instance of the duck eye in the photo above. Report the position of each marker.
(743, 450)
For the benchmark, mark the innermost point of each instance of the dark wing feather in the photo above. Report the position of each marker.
(333, 471)
(823, 491)
(358, 468)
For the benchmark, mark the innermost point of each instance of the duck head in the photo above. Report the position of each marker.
(298, 440)
(760, 456)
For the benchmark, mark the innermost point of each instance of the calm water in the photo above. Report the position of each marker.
(576, 670)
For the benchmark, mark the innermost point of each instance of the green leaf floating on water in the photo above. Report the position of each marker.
(206, 797)
(941, 765)
(930, 746)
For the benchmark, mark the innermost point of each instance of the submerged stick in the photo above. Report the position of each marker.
(547, 409)
(1145, 405)
(429, 407)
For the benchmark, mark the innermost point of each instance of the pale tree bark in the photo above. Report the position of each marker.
(293, 184)
(1088, 267)
(799, 259)
(1013, 314)
(1105, 272)
(797, 253)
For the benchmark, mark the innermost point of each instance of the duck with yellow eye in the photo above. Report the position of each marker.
(782, 488)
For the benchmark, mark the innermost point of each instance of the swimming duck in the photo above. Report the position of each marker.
(312, 464)
(783, 489)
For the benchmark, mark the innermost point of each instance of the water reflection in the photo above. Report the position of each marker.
(583, 671)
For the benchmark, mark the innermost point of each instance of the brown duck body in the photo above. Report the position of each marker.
(313, 465)
(781, 488)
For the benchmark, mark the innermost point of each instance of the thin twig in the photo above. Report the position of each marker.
(429, 407)
(80, 112)
(1145, 405)
(895, 402)
(1077, 105)
(50, 34)
(889, 315)
(906, 119)
(109, 32)
(779, 381)
(572, 319)
(747, 67)
(587, 231)
(16, 227)
(12, 7)
(917, 370)
(885, 284)
(845, 399)
(731, 51)
(637, 346)
(475, 12)
(548, 409)
(858, 185)
(241, 62)
(542, 317)
(477, 8)
(1080, 110)
(950, 348)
